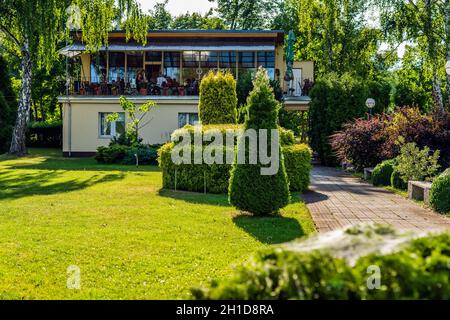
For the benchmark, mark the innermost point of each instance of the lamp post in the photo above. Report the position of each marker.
(447, 67)
(370, 103)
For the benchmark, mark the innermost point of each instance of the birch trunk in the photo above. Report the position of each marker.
(18, 146)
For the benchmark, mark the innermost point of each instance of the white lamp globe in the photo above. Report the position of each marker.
(370, 103)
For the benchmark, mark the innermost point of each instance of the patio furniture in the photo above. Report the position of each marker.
(419, 190)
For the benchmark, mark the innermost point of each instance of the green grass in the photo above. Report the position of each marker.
(130, 239)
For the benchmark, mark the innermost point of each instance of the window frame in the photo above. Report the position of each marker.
(188, 116)
(113, 134)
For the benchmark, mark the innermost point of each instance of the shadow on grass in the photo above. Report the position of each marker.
(270, 229)
(196, 197)
(14, 186)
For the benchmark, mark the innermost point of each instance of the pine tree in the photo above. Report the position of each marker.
(249, 190)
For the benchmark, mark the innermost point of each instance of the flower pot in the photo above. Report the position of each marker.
(143, 91)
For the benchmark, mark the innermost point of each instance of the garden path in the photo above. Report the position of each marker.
(337, 199)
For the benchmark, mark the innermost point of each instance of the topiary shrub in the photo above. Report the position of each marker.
(416, 269)
(397, 181)
(250, 190)
(381, 175)
(218, 99)
(297, 160)
(440, 193)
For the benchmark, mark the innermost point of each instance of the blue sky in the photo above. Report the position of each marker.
(177, 7)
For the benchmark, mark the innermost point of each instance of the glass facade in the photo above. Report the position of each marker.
(135, 63)
(209, 60)
(266, 59)
(190, 65)
(172, 65)
(116, 66)
(246, 62)
(98, 67)
(228, 61)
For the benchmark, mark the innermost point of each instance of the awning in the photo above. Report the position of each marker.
(74, 50)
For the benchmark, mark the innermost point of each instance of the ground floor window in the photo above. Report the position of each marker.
(187, 118)
(111, 129)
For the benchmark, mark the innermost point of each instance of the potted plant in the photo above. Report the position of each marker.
(143, 88)
(114, 88)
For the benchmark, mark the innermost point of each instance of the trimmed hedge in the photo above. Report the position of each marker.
(191, 177)
(440, 193)
(297, 160)
(44, 134)
(117, 153)
(381, 175)
(397, 181)
(218, 98)
(418, 271)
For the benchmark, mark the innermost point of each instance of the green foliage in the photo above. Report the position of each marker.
(45, 134)
(440, 193)
(218, 100)
(381, 175)
(123, 154)
(397, 181)
(196, 21)
(7, 106)
(297, 160)
(249, 190)
(418, 271)
(111, 154)
(335, 100)
(417, 164)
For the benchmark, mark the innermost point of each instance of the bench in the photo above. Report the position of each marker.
(368, 173)
(419, 190)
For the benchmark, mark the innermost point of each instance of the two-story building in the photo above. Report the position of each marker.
(167, 70)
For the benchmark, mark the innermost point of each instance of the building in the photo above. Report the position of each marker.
(167, 70)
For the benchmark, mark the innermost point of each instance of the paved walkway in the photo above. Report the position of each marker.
(336, 199)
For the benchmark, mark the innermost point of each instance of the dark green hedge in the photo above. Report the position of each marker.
(440, 193)
(418, 271)
(297, 160)
(44, 134)
(397, 181)
(381, 175)
(117, 153)
(218, 98)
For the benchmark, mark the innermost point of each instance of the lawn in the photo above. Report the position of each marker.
(129, 238)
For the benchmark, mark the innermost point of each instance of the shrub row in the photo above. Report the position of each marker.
(418, 271)
(191, 177)
(117, 153)
(44, 134)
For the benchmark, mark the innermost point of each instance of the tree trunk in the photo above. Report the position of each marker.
(18, 146)
(447, 45)
(437, 93)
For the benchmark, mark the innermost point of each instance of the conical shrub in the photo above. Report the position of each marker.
(249, 189)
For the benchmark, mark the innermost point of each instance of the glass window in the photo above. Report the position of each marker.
(187, 118)
(116, 66)
(266, 59)
(246, 62)
(190, 65)
(228, 61)
(172, 65)
(111, 129)
(98, 67)
(153, 56)
(135, 63)
(208, 61)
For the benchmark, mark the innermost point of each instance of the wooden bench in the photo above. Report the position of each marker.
(419, 190)
(368, 173)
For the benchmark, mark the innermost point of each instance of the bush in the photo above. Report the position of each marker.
(416, 164)
(418, 271)
(115, 153)
(218, 99)
(440, 193)
(8, 107)
(397, 181)
(146, 155)
(297, 160)
(381, 175)
(334, 101)
(250, 190)
(360, 142)
(45, 134)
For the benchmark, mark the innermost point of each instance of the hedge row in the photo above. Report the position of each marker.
(215, 177)
(440, 193)
(44, 134)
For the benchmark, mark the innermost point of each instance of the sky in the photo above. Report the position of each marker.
(177, 7)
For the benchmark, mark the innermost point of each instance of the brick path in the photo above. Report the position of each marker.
(336, 199)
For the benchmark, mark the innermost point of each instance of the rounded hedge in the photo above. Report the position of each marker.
(440, 193)
(297, 160)
(218, 98)
(418, 271)
(397, 181)
(381, 175)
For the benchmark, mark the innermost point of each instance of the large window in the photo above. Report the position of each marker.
(98, 67)
(111, 129)
(135, 63)
(116, 66)
(190, 65)
(187, 118)
(228, 61)
(266, 59)
(208, 61)
(153, 56)
(172, 65)
(246, 62)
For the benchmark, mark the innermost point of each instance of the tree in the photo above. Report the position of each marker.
(249, 189)
(246, 15)
(190, 21)
(424, 23)
(7, 106)
(160, 18)
(35, 27)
